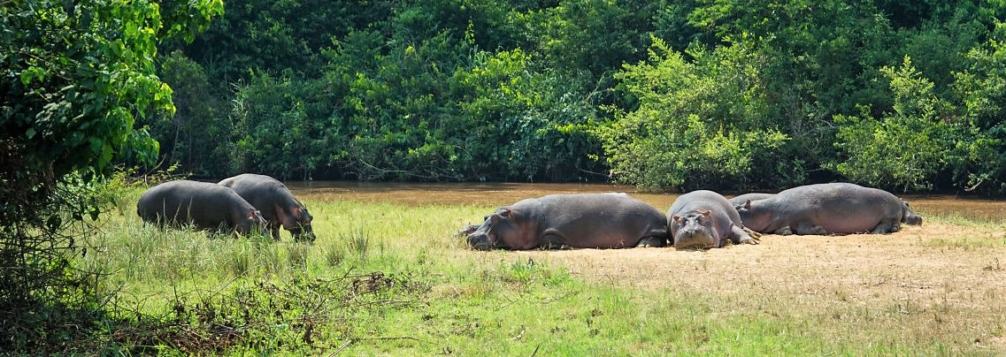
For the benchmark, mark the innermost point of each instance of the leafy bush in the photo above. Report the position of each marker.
(76, 77)
(905, 148)
(698, 124)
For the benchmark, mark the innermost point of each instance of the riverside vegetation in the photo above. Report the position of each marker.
(699, 94)
(388, 277)
(665, 95)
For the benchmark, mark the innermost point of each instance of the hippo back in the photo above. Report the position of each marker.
(739, 200)
(837, 208)
(708, 200)
(205, 205)
(263, 192)
(590, 220)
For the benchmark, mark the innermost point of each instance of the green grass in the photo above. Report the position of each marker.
(384, 278)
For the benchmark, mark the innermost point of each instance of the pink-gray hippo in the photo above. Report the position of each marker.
(201, 204)
(705, 219)
(589, 220)
(830, 208)
(278, 205)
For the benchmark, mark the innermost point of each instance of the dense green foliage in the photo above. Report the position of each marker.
(74, 79)
(725, 94)
(385, 278)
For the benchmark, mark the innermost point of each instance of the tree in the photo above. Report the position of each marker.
(905, 148)
(75, 78)
(700, 124)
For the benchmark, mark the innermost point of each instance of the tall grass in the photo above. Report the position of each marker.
(385, 278)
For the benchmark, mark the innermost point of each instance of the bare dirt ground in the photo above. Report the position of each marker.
(921, 280)
(905, 262)
(944, 282)
(499, 194)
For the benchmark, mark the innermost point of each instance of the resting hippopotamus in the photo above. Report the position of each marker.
(749, 197)
(588, 220)
(204, 205)
(276, 203)
(830, 208)
(705, 219)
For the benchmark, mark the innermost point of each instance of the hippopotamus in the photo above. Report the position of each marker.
(585, 220)
(830, 208)
(276, 202)
(204, 205)
(705, 219)
(737, 200)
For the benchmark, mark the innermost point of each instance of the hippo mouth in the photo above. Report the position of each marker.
(480, 242)
(693, 241)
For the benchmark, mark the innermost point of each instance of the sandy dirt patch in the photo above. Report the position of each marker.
(934, 282)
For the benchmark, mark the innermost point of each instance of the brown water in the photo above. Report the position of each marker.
(499, 194)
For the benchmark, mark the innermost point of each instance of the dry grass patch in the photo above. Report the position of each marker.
(935, 284)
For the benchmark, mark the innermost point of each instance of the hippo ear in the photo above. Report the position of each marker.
(705, 213)
(504, 213)
(253, 213)
(747, 204)
(676, 218)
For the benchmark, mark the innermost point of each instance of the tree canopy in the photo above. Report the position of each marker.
(76, 77)
(729, 94)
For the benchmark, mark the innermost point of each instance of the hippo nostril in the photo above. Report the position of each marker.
(479, 241)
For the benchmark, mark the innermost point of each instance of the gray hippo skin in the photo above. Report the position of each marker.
(830, 208)
(607, 220)
(705, 219)
(738, 200)
(204, 205)
(276, 202)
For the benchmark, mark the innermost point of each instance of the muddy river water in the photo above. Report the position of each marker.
(498, 194)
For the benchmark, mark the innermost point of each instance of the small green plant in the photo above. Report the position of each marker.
(521, 271)
(358, 241)
(334, 254)
(297, 254)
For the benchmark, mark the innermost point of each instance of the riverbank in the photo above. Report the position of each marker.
(389, 278)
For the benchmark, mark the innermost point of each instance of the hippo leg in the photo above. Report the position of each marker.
(652, 241)
(739, 236)
(275, 233)
(784, 231)
(552, 240)
(886, 226)
(751, 233)
(805, 228)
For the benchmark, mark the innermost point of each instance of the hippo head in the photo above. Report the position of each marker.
(299, 224)
(254, 221)
(495, 230)
(755, 218)
(909, 217)
(469, 229)
(694, 230)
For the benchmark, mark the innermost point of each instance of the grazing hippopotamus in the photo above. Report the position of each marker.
(589, 220)
(830, 208)
(705, 219)
(749, 197)
(204, 205)
(276, 203)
